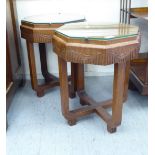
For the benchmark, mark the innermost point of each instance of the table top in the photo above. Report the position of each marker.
(56, 18)
(97, 31)
(96, 43)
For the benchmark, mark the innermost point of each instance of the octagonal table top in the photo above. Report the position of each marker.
(54, 18)
(39, 28)
(97, 31)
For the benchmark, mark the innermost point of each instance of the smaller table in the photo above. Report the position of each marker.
(99, 44)
(39, 29)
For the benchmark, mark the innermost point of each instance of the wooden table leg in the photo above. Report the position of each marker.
(117, 102)
(51, 81)
(118, 92)
(80, 77)
(73, 86)
(64, 91)
(77, 78)
(32, 67)
(80, 80)
(126, 82)
(43, 59)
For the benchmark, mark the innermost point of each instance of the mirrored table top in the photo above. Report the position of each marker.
(56, 18)
(97, 31)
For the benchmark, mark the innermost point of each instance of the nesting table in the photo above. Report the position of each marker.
(39, 29)
(98, 44)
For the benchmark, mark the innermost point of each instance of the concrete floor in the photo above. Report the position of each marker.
(37, 127)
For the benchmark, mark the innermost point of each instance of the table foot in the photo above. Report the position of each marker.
(111, 129)
(40, 90)
(40, 93)
(72, 122)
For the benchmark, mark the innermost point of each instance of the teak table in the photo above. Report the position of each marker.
(85, 43)
(39, 29)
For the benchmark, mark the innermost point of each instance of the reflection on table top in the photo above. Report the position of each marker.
(57, 18)
(97, 31)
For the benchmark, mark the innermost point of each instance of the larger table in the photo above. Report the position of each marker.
(39, 29)
(98, 44)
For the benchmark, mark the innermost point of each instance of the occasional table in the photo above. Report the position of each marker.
(39, 29)
(98, 44)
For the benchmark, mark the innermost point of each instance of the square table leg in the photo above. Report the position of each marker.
(63, 78)
(80, 81)
(80, 77)
(32, 66)
(118, 94)
(73, 85)
(126, 81)
(43, 60)
(77, 79)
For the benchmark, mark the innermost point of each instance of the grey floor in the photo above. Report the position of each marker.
(37, 127)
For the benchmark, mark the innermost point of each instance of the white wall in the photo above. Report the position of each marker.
(94, 10)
